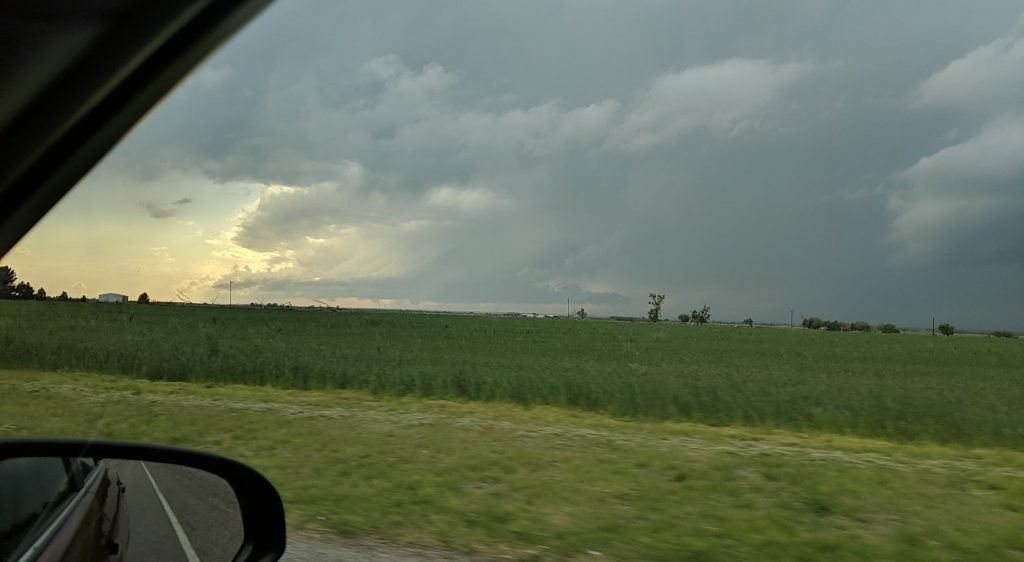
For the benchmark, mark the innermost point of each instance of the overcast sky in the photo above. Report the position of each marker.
(852, 160)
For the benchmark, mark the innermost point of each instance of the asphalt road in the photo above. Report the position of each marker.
(197, 520)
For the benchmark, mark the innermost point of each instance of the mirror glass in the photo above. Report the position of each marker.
(73, 508)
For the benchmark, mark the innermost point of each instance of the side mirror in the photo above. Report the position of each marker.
(72, 499)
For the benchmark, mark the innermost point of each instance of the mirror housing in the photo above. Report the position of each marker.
(262, 513)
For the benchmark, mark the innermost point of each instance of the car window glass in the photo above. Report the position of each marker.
(32, 493)
(565, 280)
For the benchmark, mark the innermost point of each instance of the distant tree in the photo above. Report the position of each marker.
(143, 298)
(581, 314)
(41, 294)
(1003, 334)
(654, 314)
(888, 329)
(749, 322)
(860, 326)
(7, 280)
(82, 298)
(23, 290)
(947, 329)
(813, 323)
(63, 296)
(684, 318)
(837, 326)
(702, 316)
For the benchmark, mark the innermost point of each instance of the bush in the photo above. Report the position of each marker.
(888, 329)
(749, 322)
(947, 329)
(860, 326)
(144, 298)
(684, 318)
(1004, 334)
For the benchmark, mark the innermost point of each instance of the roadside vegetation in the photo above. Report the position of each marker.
(963, 390)
(545, 483)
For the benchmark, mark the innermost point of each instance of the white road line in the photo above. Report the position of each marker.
(186, 546)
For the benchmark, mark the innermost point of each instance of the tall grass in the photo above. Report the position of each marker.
(966, 390)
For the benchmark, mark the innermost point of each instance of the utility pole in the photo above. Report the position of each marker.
(567, 315)
(790, 318)
(229, 292)
(933, 325)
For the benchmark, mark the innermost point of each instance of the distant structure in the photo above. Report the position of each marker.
(113, 297)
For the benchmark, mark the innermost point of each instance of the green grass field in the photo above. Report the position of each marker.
(959, 390)
(556, 439)
(543, 483)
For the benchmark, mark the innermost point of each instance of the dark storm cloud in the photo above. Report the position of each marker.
(160, 211)
(845, 160)
(965, 202)
(157, 211)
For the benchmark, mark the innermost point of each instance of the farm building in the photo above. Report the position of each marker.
(113, 297)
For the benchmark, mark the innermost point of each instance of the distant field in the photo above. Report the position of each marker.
(965, 390)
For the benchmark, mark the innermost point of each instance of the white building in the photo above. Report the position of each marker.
(113, 297)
